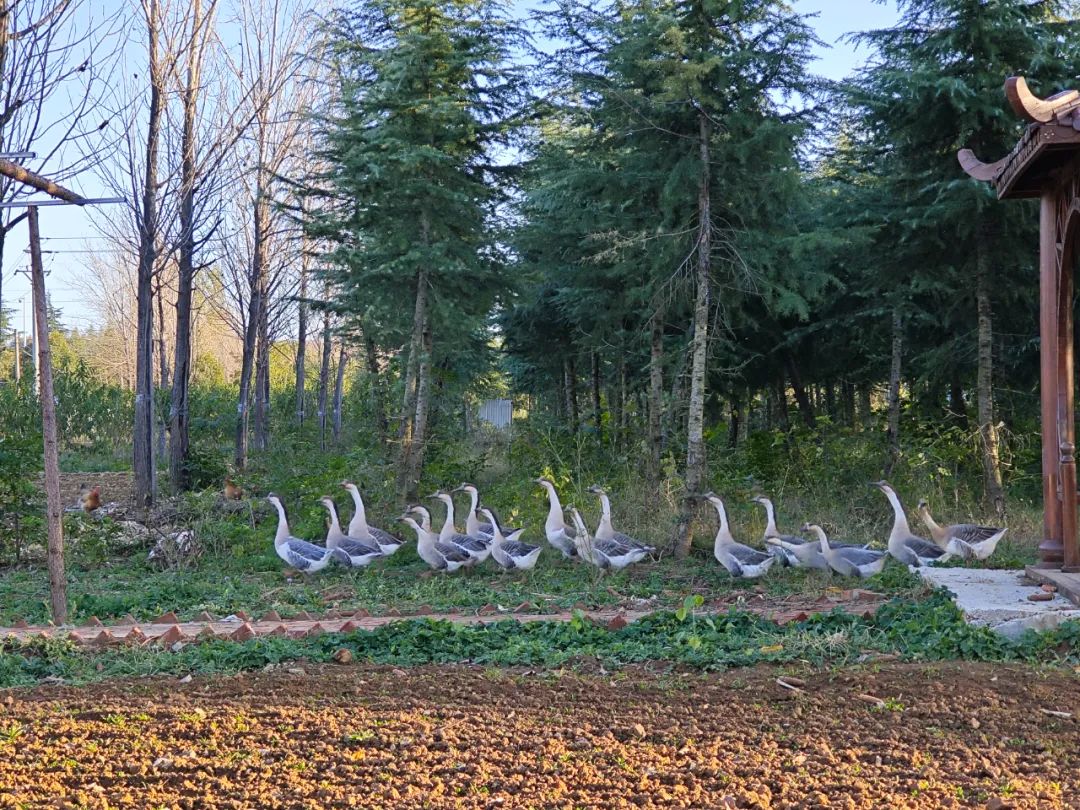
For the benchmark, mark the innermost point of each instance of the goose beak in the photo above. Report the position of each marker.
(878, 484)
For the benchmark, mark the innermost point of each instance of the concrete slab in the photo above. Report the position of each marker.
(999, 599)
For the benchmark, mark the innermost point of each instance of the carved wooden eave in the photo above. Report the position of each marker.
(1051, 140)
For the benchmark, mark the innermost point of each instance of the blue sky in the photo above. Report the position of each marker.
(831, 19)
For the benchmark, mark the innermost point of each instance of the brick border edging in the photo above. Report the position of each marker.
(167, 631)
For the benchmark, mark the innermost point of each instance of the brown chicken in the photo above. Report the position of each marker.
(232, 491)
(91, 500)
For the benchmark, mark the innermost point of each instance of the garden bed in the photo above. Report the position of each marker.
(941, 735)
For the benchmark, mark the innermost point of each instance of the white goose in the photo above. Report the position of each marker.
(903, 545)
(439, 556)
(849, 561)
(559, 535)
(965, 540)
(300, 554)
(478, 548)
(611, 553)
(785, 549)
(604, 529)
(509, 552)
(473, 526)
(359, 528)
(740, 560)
(348, 550)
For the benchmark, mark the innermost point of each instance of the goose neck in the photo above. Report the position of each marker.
(900, 523)
(282, 525)
(555, 519)
(358, 526)
(334, 535)
(448, 524)
(770, 518)
(604, 527)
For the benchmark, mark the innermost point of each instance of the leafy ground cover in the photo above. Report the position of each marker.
(889, 734)
(929, 629)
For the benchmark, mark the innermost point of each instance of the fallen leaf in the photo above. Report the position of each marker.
(871, 699)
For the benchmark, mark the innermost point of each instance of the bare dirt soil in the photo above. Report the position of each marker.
(942, 735)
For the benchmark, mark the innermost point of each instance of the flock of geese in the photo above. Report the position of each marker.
(449, 550)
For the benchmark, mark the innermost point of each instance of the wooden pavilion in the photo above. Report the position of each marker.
(1046, 164)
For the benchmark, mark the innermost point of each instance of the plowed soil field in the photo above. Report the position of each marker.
(946, 735)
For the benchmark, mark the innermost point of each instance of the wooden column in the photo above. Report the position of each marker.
(1066, 397)
(1051, 550)
(53, 505)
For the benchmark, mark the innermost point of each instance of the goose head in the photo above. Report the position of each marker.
(597, 490)
(465, 487)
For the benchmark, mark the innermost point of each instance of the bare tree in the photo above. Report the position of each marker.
(52, 50)
(273, 35)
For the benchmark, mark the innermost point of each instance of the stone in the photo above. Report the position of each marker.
(343, 656)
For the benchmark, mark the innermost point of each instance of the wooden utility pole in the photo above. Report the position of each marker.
(43, 373)
(53, 507)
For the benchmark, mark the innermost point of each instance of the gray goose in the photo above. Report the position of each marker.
(965, 540)
(509, 552)
(348, 550)
(903, 545)
(559, 535)
(478, 548)
(300, 554)
(850, 561)
(782, 550)
(440, 556)
(605, 531)
(359, 528)
(740, 560)
(609, 554)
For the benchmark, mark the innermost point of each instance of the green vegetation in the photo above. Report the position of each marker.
(928, 630)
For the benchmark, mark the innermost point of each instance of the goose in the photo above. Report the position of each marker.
(805, 555)
(473, 526)
(781, 550)
(439, 556)
(740, 560)
(359, 528)
(962, 539)
(604, 530)
(559, 535)
(509, 552)
(611, 553)
(300, 554)
(850, 561)
(905, 546)
(346, 549)
(478, 548)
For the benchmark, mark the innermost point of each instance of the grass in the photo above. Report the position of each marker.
(929, 629)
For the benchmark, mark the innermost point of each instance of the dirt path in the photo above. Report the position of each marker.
(950, 735)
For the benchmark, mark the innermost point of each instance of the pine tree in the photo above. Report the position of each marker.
(426, 98)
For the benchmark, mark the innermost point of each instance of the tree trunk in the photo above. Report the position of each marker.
(256, 305)
(262, 377)
(830, 401)
(53, 505)
(598, 417)
(847, 391)
(895, 370)
(866, 408)
(378, 401)
(995, 492)
(143, 430)
(407, 432)
(339, 391)
(623, 403)
(781, 402)
(735, 417)
(957, 406)
(802, 400)
(324, 379)
(163, 368)
(179, 438)
(570, 375)
(415, 467)
(695, 426)
(301, 341)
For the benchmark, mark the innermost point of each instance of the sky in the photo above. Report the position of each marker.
(70, 233)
